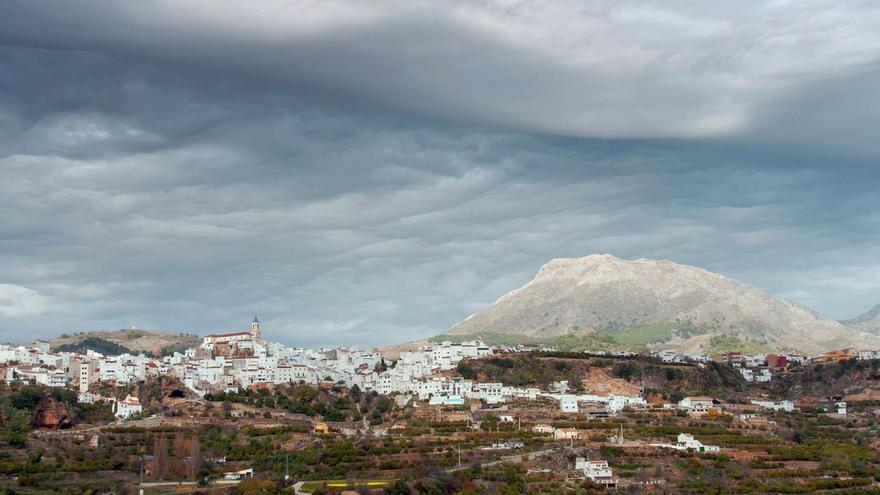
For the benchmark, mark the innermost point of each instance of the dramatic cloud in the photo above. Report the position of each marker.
(369, 173)
(593, 69)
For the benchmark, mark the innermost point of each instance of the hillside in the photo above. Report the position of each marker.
(858, 380)
(133, 340)
(600, 375)
(655, 304)
(868, 322)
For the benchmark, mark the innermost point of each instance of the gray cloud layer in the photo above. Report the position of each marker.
(595, 69)
(374, 174)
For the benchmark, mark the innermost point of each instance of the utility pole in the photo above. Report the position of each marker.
(286, 468)
(459, 455)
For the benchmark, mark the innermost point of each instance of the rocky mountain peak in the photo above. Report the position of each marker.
(607, 294)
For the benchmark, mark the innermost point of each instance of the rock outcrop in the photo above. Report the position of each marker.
(50, 413)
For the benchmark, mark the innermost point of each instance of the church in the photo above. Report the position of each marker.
(253, 336)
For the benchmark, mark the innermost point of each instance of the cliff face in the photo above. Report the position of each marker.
(608, 294)
(49, 413)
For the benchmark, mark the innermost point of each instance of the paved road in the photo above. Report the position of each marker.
(297, 488)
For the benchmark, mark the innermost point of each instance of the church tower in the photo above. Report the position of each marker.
(255, 329)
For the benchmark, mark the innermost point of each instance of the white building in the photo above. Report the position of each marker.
(784, 405)
(42, 346)
(128, 407)
(569, 404)
(489, 392)
(875, 354)
(616, 403)
(56, 378)
(697, 404)
(566, 434)
(597, 471)
(762, 375)
(210, 340)
(238, 475)
(688, 442)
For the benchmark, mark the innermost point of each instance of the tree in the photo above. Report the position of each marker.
(399, 487)
(253, 486)
(465, 370)
(627, 371)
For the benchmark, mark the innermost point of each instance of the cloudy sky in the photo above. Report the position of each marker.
(374, 172)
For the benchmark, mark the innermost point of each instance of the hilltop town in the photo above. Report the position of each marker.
(241, 411)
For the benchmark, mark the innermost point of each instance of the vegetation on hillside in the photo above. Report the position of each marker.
(849, 376)
(133, 341)
(730, 343)
(96, 344)
(670, 381)
(332, 405)
(614, 337)
(17, 406)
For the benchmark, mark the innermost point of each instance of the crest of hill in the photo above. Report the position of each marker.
(134, 340)
(869, 322)
(659, 304)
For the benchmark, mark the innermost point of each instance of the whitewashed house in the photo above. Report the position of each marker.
(597, 471)
(128, 407)
(697, 404)
(569, 404)
(688, 442)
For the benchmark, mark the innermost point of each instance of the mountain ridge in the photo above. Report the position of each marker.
(868, 321)
(602, 295)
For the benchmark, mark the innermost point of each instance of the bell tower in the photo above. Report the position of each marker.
(255, 329)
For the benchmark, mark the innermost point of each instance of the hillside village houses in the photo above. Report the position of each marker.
(597, 471)
(128, 407)
(686, 441)
(784, 405)
(611, 404)
(697, 405)
(227, 362)
(238, 360)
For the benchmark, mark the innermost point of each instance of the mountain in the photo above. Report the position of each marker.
(130, 340)
(609, 302)
(868, 322)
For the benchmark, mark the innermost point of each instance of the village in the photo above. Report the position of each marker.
(235, 361)
(436, 387)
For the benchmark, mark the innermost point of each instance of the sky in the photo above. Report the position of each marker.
(374, 172)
